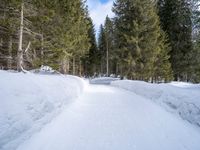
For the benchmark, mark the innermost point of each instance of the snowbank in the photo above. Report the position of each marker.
(103, 80)
(45, 70)
(29, 101)
(177, 97)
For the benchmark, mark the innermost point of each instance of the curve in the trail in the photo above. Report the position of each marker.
(107, 118)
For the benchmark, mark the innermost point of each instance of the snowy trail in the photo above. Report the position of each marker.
(107, 118)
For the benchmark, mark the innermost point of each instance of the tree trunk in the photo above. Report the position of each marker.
(74, 66)
(80, 68)
(42, 47)
(116, 70)
(62, 70)
(64, 66)
(20, 51)
(67, 63)
(121, 71)
(102, 69)
(107, 60)
(9, 64)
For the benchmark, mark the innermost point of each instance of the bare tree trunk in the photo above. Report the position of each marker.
(80, 68)
(20, 51)
(42, 49)
(102, 69)
(62, 67)
(116, 71)
(9, 65)
(67, 63)
(74, 66)
(121, 70)
(34, 54)
(107, 60)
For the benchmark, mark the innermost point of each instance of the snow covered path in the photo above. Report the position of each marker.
(108, 118)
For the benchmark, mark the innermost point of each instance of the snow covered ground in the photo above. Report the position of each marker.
(29, 101)
(49, 111)
(108, 118)
(177, 97)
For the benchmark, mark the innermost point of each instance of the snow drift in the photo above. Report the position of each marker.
(177, 97)
(29, 101)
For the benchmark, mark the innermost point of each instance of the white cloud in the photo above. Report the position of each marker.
(99, 11)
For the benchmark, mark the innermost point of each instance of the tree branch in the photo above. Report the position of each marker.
(28, 46)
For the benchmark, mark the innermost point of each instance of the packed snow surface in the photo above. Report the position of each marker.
(29, 101)
(103, 80)
(177, 97)
(43, 112)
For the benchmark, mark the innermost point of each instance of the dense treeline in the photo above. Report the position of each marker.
(47, 32)
(152, 40)
(146, 40)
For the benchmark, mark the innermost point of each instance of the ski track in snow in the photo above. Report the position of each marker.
(108, 118)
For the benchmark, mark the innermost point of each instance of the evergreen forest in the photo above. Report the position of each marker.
(149, 40)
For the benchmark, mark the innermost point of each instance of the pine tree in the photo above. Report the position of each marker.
(51, 32)
(8, 36)
(64, 28)
(195, 67)
(138, 34)
(163, 69)
(14, 17)
(176, 21)
(195, 77)
(44, 25)
(109, 37)
(194, 6)
(92, 61)
(102, 49)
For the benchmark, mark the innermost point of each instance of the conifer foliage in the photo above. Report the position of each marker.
(176, 21)
(50, 32)
(141, 43)
(150, 40)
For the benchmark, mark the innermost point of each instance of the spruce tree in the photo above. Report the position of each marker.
(175, 17)
(9, 24)
(64, 26)
(52, 32)
(163, 69)
(195, 67)
(102, 49)
(91, 60)
(195, 77)
(139, 34)
(109, 37)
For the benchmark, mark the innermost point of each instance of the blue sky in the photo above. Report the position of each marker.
(99, 9)
(104, 1)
